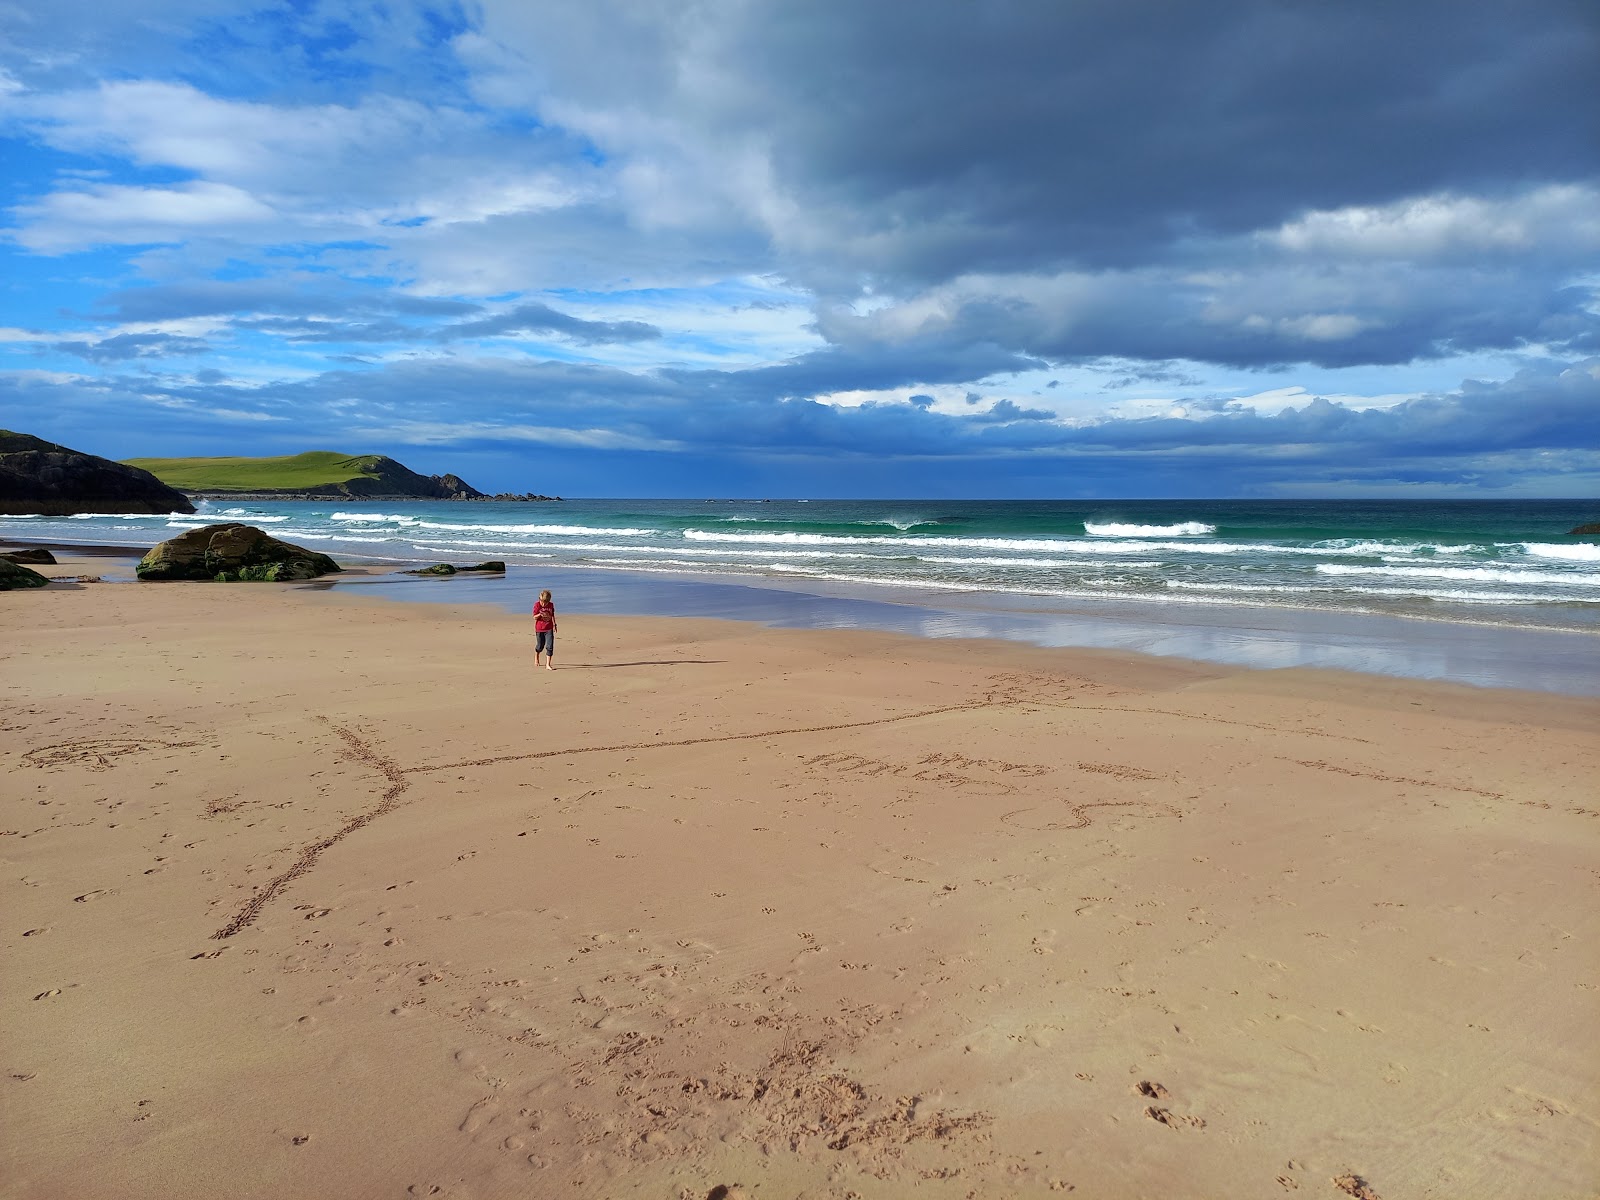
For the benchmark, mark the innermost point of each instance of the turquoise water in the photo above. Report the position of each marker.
(1504, 563)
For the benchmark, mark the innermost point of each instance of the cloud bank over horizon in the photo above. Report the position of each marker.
(1099, 249)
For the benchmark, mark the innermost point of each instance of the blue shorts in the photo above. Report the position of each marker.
(544, 641)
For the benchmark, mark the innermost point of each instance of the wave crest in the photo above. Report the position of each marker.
(1115, 529)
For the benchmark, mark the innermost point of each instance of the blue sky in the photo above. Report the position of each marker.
(1087, 249)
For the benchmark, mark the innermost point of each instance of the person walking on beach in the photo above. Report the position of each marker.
(544, 630)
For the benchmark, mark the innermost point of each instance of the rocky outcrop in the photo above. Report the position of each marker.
(456, 488)
(36, 554)
(41, 477)
(1585, 530)
(15, 575)
(495, 567)
(232, 553)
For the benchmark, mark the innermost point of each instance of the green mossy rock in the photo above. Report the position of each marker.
(493, 567)
(34, 554)
(15, 575)
(233, 553)
(1585, 530)
(436, 569)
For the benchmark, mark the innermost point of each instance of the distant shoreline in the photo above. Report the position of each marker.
(343, 498)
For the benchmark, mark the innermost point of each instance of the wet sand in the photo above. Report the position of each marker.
(319, 895)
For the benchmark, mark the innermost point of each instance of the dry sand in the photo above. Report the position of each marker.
(311, 896)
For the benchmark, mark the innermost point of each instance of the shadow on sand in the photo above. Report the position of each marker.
(665, 662)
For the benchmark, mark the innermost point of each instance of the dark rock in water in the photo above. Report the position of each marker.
(488, 568)
(15, 575)
(1585, 530)
(37, 476)
(32, 555)
(233, 553)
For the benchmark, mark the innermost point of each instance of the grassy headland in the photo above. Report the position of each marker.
(290, 472)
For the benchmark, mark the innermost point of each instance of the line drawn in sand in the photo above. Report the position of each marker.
(96, 752)
(363, 753)
(1017, 817)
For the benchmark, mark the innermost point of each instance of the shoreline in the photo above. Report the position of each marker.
(1263, 637)
(705, 908)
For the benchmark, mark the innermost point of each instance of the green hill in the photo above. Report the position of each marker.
(292, 472)
(313, 475)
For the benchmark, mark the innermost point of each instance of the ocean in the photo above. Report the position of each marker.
(1286, 565)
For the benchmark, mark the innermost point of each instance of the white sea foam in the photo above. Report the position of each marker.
(253, 518)
(1085, 589)
(547, 530)
(1571, 552)
(132, 516)
(1253, 589)
(1468, 597)
(1034, 545)
(606, 547)
(312, 535)
(1470, 574)
(1076, 563)
(900, 523)
(1182, 529)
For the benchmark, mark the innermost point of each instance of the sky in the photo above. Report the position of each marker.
(914, 248)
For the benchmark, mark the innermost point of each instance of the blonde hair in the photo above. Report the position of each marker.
(545, 595)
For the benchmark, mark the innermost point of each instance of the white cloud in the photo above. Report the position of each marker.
(1554, 219)
(120, 214)
(272, 173)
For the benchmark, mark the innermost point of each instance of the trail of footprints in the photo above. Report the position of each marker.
(645, 1034)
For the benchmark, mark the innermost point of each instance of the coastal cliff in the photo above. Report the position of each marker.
(42, 477)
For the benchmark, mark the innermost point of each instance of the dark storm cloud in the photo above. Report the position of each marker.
(1246, 183)
(1333, 316)
(962, 138)
(541, 318)
(874, 368)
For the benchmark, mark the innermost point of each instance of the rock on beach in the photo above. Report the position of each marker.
(232, 553)
(14, 575)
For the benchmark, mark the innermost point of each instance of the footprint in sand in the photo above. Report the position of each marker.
(1354, 1185)
(47, 995)
(88, 896)
(1173, 1120)
(480, 1114)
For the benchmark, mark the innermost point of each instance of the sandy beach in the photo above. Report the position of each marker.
(319, 895)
